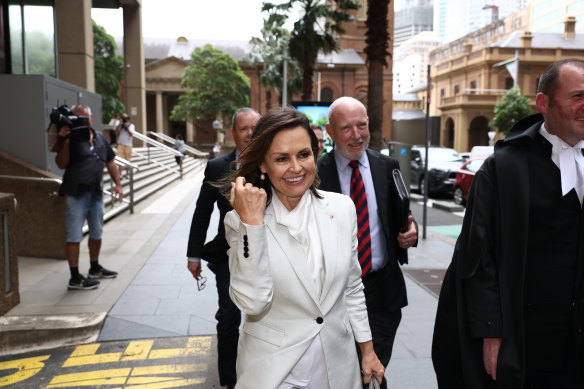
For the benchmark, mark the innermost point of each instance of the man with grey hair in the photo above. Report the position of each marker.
(83, 153)
(215, 251)
(366, 175)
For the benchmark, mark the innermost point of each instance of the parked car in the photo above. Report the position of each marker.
(464, 178)
(478, 151)
(443, 163)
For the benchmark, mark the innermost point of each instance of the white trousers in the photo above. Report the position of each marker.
(310, 371)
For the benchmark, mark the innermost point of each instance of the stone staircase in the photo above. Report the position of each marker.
(156, 169)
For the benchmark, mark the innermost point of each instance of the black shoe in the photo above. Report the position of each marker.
(101, 272)
(82, 283)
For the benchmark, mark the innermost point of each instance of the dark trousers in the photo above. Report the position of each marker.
(228, 320)
(382, 321)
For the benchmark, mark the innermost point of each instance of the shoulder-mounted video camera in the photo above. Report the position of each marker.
(78, 124)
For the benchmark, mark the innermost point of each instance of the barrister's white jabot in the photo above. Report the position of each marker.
(570, 161)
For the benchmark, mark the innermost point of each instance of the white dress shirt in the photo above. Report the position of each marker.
(379, 254)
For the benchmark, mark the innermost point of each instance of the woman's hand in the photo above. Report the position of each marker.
(248, 201)
(370, 364)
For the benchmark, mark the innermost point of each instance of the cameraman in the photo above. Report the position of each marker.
(125, 132)
(83, 152)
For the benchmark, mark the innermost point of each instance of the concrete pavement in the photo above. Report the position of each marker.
(155, 296)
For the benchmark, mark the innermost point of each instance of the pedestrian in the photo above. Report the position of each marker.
(511, 312)
(83, 153)
(300, 290)
(366, 175)
(125, 133)
(320, 136)
(215, 252)
(179, 145)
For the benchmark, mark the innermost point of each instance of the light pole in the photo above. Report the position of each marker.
(285, 78)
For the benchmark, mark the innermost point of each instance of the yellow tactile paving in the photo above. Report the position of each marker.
(127, 369)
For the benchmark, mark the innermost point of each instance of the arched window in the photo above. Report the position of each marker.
(326, 94)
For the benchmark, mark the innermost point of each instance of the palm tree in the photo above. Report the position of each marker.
(376, 50)
(269, 51)
(313, 32)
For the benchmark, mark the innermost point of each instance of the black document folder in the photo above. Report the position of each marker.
(404, 199)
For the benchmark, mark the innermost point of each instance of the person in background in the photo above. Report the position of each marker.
(83, 153)
(320, 136)
(179, 145)
(113, 125)
(125, 133)
(228, 316)
(366, 175)
(301, 292)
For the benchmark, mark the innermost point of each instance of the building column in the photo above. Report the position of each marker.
(74, 32)
(190, 132)
(135, 80)
(159, 114)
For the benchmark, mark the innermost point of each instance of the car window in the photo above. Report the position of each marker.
(475, 165)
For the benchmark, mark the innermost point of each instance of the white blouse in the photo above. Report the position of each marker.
(301, 223)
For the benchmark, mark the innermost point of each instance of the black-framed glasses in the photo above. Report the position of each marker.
(201, 283)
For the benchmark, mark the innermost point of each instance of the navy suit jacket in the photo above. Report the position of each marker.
(216, 169)
(387, 208)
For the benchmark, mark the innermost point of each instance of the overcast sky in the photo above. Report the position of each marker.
(195, 19)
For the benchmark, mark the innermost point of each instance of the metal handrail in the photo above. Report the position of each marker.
(33, 179)
(131, 167)
(172, 141)
(162, 147)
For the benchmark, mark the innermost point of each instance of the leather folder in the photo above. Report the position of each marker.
(404, 200)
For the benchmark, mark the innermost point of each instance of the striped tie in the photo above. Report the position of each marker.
(359, 197)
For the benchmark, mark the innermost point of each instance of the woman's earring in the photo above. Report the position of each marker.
(262, 177)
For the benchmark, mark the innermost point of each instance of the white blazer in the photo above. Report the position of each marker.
(283, 313)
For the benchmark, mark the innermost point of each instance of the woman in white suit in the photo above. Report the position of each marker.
(294, 268)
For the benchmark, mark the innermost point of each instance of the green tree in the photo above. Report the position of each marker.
(216, 84)
(109, 72)
(512, 107)
(314, 32)
(40, 53)
(269, 51)
(376, 50)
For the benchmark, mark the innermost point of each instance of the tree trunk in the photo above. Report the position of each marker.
(375, 102)
(307, 74)
(268, 99)
(377, 52)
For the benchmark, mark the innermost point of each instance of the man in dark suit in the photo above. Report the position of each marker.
(385, 290)
(228, 316)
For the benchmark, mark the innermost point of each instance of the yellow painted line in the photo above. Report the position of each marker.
(195, 346)
(92, 359)
(91, 378)
(137, 350)
(168, 369)
(166, 385)
(201, 342)
(27, 367)
(149, 380)
(87, 349)
(128, 376)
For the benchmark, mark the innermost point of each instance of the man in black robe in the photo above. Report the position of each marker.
(511, 310)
